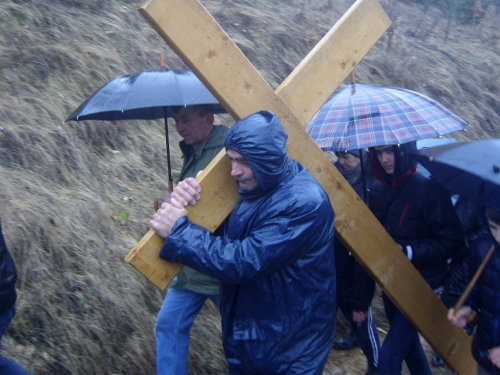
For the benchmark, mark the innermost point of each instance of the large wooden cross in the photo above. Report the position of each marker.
(203, 45)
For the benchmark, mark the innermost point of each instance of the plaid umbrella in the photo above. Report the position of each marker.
(360, 116)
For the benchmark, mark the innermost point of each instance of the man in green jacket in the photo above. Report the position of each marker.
(202, 141)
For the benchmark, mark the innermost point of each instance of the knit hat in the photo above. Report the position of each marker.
(354, 152)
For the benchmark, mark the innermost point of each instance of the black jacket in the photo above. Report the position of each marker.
(458, 277)
(418, 213)
(353, 282)
(8, 277)
(485, 296)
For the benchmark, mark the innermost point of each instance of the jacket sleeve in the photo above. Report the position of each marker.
(8, 276)
(278, 238)
(444, 232)
(478, 251)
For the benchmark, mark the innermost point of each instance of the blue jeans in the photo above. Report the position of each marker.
(8, 367)
(401, 343)
(173, 324)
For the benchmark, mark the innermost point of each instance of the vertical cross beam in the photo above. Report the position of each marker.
(219, 64)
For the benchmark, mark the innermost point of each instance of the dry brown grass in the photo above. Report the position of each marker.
(75, 198)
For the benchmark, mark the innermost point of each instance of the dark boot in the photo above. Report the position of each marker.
(346, 343)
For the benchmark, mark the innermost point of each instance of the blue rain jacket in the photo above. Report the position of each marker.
(275, 260)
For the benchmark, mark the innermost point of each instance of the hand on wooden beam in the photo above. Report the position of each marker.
(186, 192)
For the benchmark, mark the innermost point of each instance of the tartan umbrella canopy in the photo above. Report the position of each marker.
(359, 116)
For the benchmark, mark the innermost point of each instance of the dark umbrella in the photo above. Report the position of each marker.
(431, 142)
(469, 169)
(146, 95)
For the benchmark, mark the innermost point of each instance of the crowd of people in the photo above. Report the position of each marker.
(278, 273)
(280, 268)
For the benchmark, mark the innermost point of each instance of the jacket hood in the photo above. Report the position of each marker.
(261, 140)
(404, 164)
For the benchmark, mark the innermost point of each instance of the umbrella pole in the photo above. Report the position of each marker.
(167, 141)
(365, 195)
(467, 291)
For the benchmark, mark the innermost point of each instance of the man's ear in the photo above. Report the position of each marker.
(210, 118)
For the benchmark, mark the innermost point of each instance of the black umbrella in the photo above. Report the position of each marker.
(146, 95)
(469, 169)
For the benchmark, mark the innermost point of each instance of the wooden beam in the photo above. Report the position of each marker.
(219, 64)
(312, 82)
(339, 46)
(209, 212)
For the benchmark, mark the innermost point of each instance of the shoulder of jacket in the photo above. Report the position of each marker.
(217, 137)
(220, 130)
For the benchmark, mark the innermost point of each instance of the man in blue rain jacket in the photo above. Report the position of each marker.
(274, 258)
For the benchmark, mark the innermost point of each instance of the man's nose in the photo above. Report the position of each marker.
(235, 170)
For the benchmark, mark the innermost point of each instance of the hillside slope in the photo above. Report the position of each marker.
(76, 197)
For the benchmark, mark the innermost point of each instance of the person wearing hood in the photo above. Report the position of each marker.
(355, 288)
(275, 258)
(419, 215)
(485, 295)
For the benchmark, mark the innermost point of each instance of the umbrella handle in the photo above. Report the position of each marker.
(162, 61)
(467, 290)
(351, 77)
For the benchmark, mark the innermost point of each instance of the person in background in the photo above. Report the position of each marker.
(484, 299)
(354, 286)
(418, 213)
(8, 296)
(202, 141)
(275, 258)
(471, 218)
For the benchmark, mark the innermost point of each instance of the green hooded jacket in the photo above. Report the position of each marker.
(189, 278)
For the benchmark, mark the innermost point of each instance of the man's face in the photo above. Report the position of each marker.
(347, 160)
(385, 155)
(495, 230)
(241, 171)
(192, 127)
